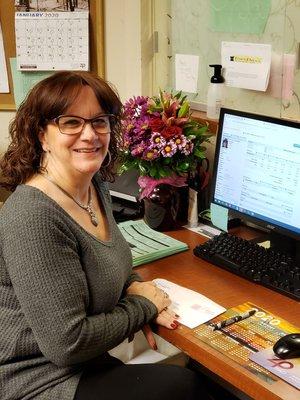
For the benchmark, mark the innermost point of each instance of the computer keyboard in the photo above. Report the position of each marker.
(267, 267)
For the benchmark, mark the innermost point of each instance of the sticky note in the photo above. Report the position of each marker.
(219, 216)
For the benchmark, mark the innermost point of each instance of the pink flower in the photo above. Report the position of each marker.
(136, 106)
(138, 150)
(188, 148)
(169, 149)
(180, 141)
(157, 140)
(150, 154)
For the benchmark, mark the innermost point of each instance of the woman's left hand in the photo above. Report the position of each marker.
(166, 318)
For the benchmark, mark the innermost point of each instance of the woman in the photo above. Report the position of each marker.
(67, 292)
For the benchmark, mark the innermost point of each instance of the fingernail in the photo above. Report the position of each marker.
(154, 347)
(175, 322)
(177, 316)
(174, 326)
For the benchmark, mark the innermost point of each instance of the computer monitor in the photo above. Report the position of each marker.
(257, 173)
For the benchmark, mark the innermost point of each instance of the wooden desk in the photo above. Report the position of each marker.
(228, 290)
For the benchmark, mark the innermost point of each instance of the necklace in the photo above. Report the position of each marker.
(87, 208)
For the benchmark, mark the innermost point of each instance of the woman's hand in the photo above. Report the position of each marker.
(166, 318)
(149, 290)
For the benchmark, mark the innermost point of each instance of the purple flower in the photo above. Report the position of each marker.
(180, 141)
(157, 140)
(169, 149)
(138, 150)
(136, 106)
(188, 148)
(151, 153)
(141, 125)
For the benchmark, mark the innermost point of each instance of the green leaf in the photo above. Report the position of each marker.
(162, 172)
(183, 99)
(178, 95)
(143, 170)
(184, 109)
(198, 153)
(201, 130)
(153, 170)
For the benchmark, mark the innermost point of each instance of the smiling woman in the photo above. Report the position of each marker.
(48, 100)
(67, 291)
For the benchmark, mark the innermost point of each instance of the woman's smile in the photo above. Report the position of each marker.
(88, 150)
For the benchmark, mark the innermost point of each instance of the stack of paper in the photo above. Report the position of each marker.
(147, 244)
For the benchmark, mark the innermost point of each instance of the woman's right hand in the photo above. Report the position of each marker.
(151, 292)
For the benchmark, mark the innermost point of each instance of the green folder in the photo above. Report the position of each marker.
(147, 244)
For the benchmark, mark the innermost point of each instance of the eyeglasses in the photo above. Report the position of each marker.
(72, 125)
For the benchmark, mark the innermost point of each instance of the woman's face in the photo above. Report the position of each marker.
(79, 154)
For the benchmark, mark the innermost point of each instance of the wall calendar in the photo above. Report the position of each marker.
(52, 40)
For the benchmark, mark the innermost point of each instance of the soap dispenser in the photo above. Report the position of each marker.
(216, 92)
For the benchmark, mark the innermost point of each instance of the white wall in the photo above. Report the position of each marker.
(123, 46)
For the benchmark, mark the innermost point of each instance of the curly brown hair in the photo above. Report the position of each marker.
(48, 99)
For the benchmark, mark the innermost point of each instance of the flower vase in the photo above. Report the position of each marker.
(166, 207)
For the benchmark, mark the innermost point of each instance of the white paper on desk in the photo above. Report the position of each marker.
(204, 230)
(4, 86)
(246, 65)
(194, 308)
(186, 72)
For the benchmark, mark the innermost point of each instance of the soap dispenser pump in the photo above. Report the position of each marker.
(216, 92)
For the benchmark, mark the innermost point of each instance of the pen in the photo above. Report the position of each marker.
(232, 320)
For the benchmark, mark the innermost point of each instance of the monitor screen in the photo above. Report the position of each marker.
(257, 169)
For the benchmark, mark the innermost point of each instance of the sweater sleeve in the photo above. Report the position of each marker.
(43, 262)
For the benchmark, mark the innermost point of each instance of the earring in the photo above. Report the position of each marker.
(109, 160)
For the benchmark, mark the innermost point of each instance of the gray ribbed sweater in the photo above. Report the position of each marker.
(62, 296)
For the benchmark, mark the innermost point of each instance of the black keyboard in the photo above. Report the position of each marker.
(267, 267)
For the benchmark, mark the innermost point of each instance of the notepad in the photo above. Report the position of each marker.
(147, 244)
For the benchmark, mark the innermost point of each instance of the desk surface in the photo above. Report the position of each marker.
(228, 290)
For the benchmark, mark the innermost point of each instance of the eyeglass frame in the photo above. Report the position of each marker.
(86, 120)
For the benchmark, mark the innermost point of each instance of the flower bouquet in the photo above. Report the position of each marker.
(161, 140)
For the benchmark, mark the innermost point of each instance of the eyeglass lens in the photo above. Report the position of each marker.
(71, 125)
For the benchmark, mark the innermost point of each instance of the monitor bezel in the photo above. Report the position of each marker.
(270, 227)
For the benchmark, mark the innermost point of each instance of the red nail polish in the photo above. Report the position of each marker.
(175, 322)
(155, 347)
(174, 326)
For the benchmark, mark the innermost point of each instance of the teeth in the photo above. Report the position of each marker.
(86, 150)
